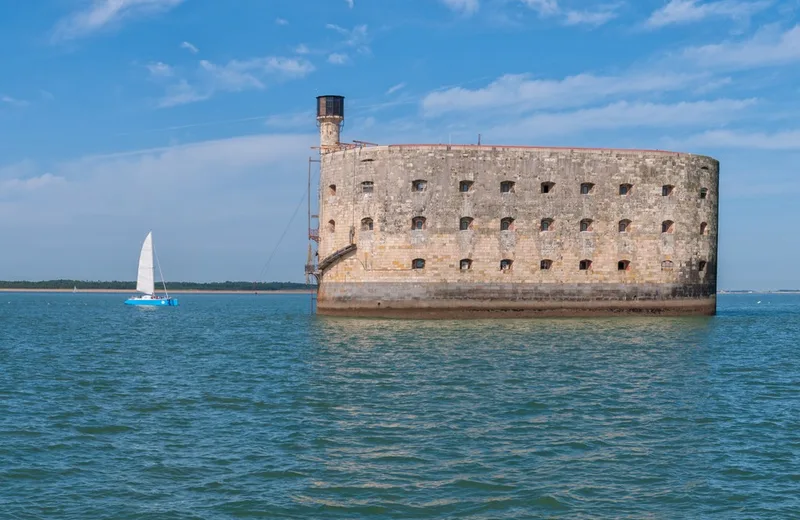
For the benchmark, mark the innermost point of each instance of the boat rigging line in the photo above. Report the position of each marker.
(160, 272)
(288, 225)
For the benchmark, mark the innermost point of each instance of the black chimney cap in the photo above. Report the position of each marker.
(330, 106)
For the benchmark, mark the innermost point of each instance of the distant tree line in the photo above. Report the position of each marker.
(178, 286)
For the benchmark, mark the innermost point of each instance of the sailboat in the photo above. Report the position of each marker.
(145, 281)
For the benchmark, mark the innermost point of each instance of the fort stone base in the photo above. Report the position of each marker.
(483, 300)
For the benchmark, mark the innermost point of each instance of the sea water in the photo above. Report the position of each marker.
(249, 406)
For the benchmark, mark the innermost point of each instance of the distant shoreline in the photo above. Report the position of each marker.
(748, 291)
(177, 291)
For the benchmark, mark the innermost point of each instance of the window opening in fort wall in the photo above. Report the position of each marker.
(419, 185)
(366, 224)
(467, 230)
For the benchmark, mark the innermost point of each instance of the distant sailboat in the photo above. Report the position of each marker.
(145, 282)
(74, 289)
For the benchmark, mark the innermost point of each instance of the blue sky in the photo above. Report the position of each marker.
(194, 118)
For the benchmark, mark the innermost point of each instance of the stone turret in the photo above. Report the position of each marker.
(330, 119)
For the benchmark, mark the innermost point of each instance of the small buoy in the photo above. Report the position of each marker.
(759, 301)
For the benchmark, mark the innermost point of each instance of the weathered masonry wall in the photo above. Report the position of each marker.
(661, 259)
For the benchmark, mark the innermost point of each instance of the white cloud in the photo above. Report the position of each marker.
(160, 69)
(234, 76)
(100, 208)
(9, 187)
(357, 37)
(281, 21)
(291, 67)
(521, 92)
(182, 93)
(601, 16)
(625, 115)
(302, 49)
(764, 49)
(103, 14)
(395, 88)
(189, 47)
(688, 11)
(297, 120)
(786, 140)
(13, 101)
(462, 6)
(711, 85)
(543, 7)
(18, 170)
(349, 3)
(338, 58)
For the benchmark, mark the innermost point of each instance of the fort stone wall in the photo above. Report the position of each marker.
(546, 231)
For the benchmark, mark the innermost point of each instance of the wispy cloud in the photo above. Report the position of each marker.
(766, 48)
(302, 49)
(521, 92)
(281, 21)
(189, 47)
(785, 140)
(338, 58)
(13, 101)
(690, 11)
(182, 93)
(395, 88)
(9, 186)
(297, 120)
(160, 70)
(626, 115)
(601, 16)
(462, 6)
(103, 14)
(349, 3)
(357, 37)
(21, 169)
(234, 76)
(543, 7)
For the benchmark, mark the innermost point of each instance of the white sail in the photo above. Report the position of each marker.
(145, 282)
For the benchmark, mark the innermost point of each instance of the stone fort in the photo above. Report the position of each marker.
(432, 230)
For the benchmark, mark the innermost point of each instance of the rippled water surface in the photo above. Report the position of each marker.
(248, 406)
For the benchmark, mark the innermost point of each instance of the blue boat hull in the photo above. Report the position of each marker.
(158, 302)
